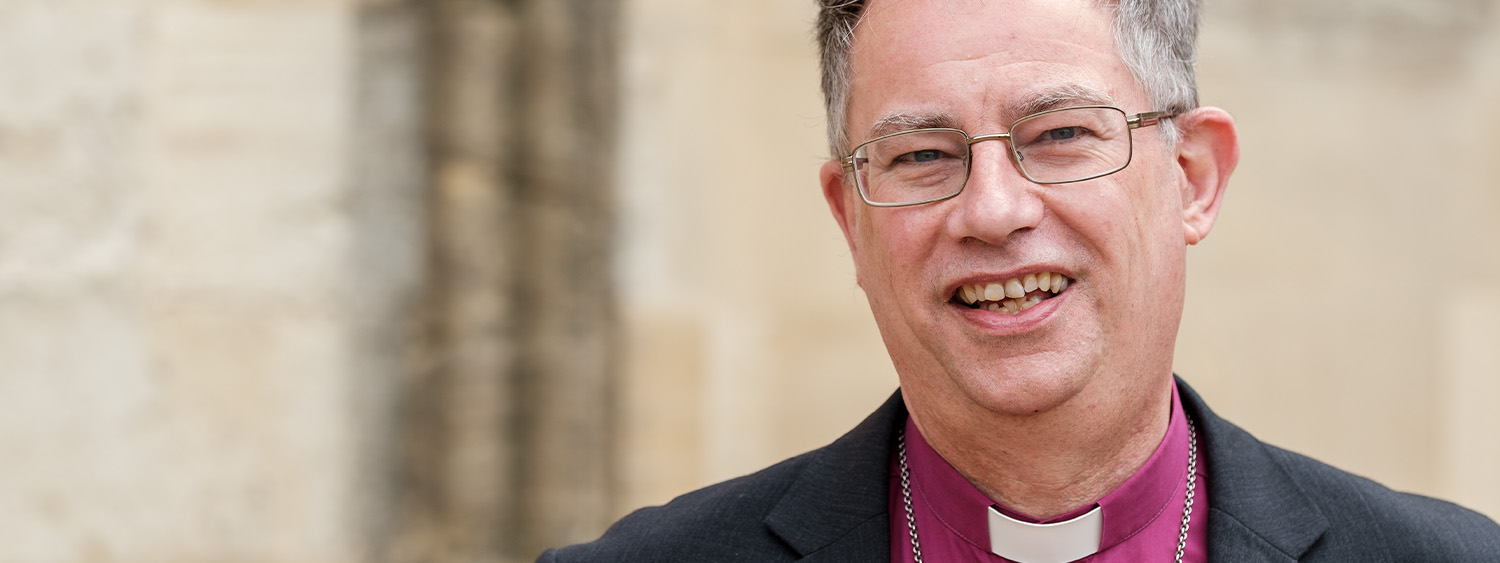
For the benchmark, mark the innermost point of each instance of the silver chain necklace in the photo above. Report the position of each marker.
(1187, 507)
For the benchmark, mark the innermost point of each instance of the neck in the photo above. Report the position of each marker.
(1048, 463)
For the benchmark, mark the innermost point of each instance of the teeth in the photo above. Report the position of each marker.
(1014, 289)
(1013, 295)
(1030, 302)
(994, 292)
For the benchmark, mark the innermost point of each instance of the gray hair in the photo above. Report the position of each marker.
(1155, 39)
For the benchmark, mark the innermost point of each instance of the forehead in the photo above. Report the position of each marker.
(982, 62)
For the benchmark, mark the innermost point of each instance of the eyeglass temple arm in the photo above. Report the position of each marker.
(1147, 119)
(848, 163)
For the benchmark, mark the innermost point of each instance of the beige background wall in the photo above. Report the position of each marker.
(1344, 306)
(197, 279)
(216, 219)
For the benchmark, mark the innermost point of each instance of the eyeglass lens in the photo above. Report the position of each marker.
(1061, 146)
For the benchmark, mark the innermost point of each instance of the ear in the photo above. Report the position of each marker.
(1207, 152)
(840, 197)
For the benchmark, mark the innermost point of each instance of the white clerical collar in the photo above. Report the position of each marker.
(1058, 542)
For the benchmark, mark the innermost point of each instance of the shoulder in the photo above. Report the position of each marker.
(1282, 504)
(833, 497)
(1406, 526)
(715, 523)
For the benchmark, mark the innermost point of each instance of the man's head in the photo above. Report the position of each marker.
(1119, 240)
(1156, 39)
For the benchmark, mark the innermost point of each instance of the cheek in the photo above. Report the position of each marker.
(1099, 217)
(1151, 248)
(1124, 230)
(893, 248)
(871, 266)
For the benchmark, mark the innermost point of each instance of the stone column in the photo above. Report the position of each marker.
(506, 420)
(565, 295)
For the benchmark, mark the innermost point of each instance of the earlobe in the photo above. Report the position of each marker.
(1207, 152)
(839, 197)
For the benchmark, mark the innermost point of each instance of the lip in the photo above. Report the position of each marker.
(1001, 323)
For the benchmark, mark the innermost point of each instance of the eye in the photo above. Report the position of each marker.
(1061, 133)
(927, 155)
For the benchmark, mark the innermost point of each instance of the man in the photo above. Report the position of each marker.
(1018, 183)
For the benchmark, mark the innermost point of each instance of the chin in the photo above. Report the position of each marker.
(1029, 396)
(1022, 386)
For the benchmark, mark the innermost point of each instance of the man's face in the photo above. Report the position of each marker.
(1117, 240)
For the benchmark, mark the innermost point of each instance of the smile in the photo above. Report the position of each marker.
(1013, 295)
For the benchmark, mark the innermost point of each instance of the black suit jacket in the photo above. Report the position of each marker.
(1266, 505)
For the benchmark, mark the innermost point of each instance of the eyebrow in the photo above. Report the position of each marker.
(1061, 96)
(1041, 100)
(897, 122)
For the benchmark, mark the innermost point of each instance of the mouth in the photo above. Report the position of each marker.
(1013, 295)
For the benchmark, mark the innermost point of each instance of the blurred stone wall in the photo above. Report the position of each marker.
(297, 281)
(197, 286)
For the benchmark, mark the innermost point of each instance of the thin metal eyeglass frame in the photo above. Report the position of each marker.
(1137, 121)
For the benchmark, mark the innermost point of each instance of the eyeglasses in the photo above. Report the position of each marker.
(1052, 147)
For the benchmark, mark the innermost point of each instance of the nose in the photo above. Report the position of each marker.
(998, 201)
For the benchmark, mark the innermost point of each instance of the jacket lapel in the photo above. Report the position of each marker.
(1257, 512)
(835, 511)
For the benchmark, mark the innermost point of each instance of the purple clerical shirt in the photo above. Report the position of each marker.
(1142, 518)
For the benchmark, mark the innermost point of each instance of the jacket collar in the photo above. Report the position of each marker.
(1257, 512)
(836, 508)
